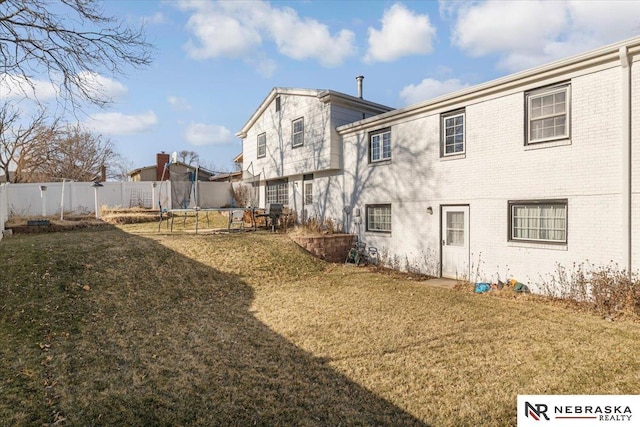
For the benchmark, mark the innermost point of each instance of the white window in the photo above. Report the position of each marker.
(455, 228)
(308, 193)
(278, 192)
(548, 114)
(379, 218)
(380, 146)
(297, 132)
(262, 145)
(544, 221)
(453, 133)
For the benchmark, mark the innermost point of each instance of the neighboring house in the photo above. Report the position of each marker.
(227, 177)
(159, 172)
(238, 161)
(230, 176)
(512, 178)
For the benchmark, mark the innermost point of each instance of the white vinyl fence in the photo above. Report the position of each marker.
(62, 198)
(4, 209)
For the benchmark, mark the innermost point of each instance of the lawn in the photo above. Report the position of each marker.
(125, 326)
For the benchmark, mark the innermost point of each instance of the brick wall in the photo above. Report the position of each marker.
(498, 167)
(331, 248)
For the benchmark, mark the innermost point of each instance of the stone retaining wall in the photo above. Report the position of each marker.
(330, 247)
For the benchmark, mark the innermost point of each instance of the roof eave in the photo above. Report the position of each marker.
(327, 96)
(609, 53)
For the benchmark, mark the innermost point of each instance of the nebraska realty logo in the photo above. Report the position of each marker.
(578, 410)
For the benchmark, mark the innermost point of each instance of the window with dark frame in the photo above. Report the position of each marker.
(277, 104)
(548, 114)
(297, 132)
(453, 133)
(543, 221)
(262, 145)
(378, 218)
(277, 191)
(380, 146)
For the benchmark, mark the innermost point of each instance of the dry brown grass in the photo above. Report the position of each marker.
(113, 328)
(142, 221)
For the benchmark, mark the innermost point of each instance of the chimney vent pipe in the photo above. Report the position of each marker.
(360, 79)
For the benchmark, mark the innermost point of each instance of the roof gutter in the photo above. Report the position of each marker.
(532, 76)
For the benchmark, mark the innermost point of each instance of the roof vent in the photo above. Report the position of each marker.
(359, 79)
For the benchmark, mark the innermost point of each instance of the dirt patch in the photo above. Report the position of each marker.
(50, 224)
(30, 225)
(52, 228)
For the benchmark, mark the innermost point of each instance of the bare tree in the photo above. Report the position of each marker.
(79, 155)
(40, 150)
(120, 168)
(66, 42)
(24, 142)
(188, 157)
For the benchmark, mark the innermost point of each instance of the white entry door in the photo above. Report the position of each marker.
(455, 241)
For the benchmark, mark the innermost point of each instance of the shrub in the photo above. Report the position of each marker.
(609, 291)
(314, 225)
(242, 195)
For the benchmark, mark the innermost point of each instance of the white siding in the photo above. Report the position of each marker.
(317, 152)
(321, 153)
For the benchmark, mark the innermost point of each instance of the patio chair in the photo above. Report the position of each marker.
(236, 217)
(274, 213)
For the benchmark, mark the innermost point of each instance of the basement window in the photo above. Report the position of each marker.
(379, 218)
(538, 221)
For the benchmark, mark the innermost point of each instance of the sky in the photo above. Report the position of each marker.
(215, 61)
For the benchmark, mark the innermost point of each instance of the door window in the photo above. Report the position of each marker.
(455, 229)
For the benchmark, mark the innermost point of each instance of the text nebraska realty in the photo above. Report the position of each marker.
(601, 413)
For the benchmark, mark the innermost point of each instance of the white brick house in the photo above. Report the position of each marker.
(508, 178)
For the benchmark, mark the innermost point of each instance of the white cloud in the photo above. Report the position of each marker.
(219, 35)
(200, 134)
(239, 30)
(307, 38)
(429, 89)
(121, 124)
(178, 103)
(528, 33)
(157, 18)
(403, 33)
(102, 87)
(13, 86)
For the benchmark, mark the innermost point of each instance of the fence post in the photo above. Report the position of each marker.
(4, 208)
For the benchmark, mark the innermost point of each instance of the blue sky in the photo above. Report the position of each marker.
(216, 61)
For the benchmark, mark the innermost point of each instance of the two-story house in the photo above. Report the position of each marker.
(513, 177)
(292, 153)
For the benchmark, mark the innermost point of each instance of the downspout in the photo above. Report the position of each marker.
(625, 65)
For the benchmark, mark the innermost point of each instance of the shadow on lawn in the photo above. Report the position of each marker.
(160, 339)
